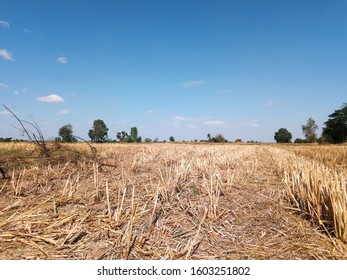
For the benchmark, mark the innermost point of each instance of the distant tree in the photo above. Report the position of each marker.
(66, 133)
(219, 138)
(300, 141)
(335, 130)
(121, 136)
(283, 136)
(8, 139)
(238, 140)
(209, 138)
(134, 135)
(99, 131)
(172, 139)
(156, 140)
(148, 140)
(128, 139)
(309, 130)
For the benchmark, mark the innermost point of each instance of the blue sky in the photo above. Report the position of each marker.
(243, 68)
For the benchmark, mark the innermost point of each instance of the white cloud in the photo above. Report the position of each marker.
(179, 118)
(51, 99)
(269, 103)
(5, 112)
(5, 54)
(4, 24)
(214, 123)
(62, 59)
(224, 91)
(3, 86)
(193, 83)
(63, 112)
(149, 112)
(17, 92)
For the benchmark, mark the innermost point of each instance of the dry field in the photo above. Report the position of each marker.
(173, 201)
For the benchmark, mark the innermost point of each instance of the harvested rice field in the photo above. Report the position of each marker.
(173, 201)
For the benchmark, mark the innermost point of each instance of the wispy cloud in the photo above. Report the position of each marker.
(17, 92)
(5, 54)
(4, 24)
(7, 113)
(214, 123)
(63, 112)
(149, 112)
(269, 103)
(53, 98)
(3, 86)
(193, 83)
(62, 59)
(224, 91)
(179, 118)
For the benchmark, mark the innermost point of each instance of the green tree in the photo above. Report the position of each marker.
(172, 139)
(66, 133)
(9, 139)
(309, 130)
(283, 136)
(209, 138)
(219, 138)
(300, 141)
(121, 136)
(98, 133)
(335, 130)
(134, 135)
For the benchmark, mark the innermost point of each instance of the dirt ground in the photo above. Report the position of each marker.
(158, 201)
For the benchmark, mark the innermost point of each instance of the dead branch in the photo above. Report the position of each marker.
(40, 140)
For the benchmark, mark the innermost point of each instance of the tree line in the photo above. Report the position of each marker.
(334, 131)
(98, 133)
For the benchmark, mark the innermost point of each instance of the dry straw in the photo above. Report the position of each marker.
(170, 201)
(318, 188)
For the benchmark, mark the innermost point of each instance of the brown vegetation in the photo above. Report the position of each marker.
(165, 201)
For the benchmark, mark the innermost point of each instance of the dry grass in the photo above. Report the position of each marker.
(316, 180)
(156, 201)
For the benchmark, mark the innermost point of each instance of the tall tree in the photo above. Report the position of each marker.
(134, 135)
(309, 130)
(66, 133)
(98, 133)
(283, 136)
(335, 130)
(172, 139)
